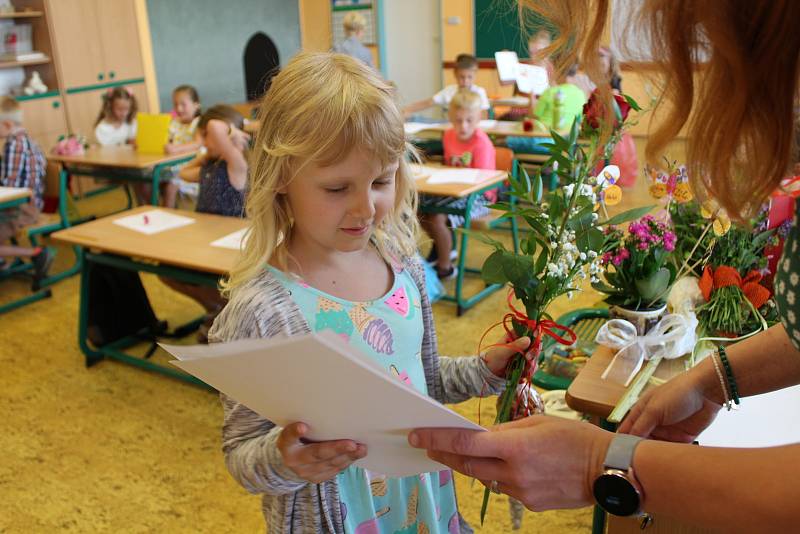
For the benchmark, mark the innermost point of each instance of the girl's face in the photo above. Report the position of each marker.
(337, 208)
(464, 121)
(185, 108)
(605, 60)
(120, 108)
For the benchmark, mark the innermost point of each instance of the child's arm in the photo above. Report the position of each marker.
(418, 106)
(183, 148)
(219, 134)
(191, 171)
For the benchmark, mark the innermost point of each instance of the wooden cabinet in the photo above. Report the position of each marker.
(83, 108)
(96, 41)
(44, 120)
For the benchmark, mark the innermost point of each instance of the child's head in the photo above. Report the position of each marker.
(213, 116)
(466, 69)
(10, 115)
(465, 113)
(119, 105)
(186, 103)
(354, 24)
(608, 62)
(537, 43)
(329, 166)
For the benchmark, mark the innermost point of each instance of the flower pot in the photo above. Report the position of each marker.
(643, 320)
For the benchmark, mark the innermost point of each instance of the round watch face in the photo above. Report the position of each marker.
(616, 495)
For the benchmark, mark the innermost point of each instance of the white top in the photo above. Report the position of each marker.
(443, 97)
(107, 134)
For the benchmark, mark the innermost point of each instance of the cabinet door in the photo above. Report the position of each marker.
(76, 40)
(119, 36)
(44, 119)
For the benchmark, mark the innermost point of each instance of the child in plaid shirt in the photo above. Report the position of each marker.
(23, 165)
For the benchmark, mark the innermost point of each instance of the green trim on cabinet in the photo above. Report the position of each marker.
(355, 7)
(24, 98)
(133, 81)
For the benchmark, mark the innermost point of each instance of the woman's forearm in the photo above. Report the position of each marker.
(734, 490)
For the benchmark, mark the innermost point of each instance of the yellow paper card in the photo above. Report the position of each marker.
(152, 132)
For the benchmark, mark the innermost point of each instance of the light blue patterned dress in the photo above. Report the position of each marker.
(388, 330)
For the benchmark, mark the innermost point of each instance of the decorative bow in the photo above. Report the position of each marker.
(672, 337)
(726, 276)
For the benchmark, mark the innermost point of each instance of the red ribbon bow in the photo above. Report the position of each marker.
(725, 276)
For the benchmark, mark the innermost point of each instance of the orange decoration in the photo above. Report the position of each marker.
(726, 276)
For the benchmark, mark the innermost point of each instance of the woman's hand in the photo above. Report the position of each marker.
(678, 410)
(316, 462)
(497, 357)
(544, 462)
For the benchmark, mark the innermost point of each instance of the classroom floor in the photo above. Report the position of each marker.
(114, 448)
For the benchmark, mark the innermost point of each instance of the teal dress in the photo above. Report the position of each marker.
(787, 282)
(388, 330)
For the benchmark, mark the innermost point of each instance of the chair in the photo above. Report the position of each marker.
(585, 322)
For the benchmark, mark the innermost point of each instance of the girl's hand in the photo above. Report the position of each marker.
(497, 358)
(316, 462)
(678, 410)
(169, 148)
(544, 462)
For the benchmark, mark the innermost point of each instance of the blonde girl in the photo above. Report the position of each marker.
(331, 247)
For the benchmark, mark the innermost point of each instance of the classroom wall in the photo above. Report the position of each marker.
(201, 42)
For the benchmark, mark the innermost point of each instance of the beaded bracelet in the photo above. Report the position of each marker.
(725, 395)
(723, 356)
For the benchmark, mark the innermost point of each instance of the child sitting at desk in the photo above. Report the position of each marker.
(222, 173)
(465, 145)
(466, 69)
(23, 165)
(183, 135)
(116, 123)
(354, 24)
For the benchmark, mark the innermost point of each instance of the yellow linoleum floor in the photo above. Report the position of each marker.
(113, 448)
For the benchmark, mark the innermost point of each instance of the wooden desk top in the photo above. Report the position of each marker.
(8, 194)
(117, 156)
(188, 247)
(590, 394)
(486, 179)
(496, 128)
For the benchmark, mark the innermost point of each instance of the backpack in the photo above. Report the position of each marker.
(119, 307)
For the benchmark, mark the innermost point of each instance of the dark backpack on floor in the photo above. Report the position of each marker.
(119, 307)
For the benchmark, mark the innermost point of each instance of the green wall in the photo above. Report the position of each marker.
(201, 42)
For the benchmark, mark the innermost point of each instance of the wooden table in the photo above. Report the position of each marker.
(11, 198)
(183, 253)
(494, 128)
(512, 101)
(116, 163)
(458, 199)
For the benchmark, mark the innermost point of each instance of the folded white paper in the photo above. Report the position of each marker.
(455, 176)
(412, 128)
(321, 381)
(532, 79)
(487, 124)
(234, 241)
(507, 64)
(153, 221)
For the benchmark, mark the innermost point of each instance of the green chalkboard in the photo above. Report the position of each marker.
(497, 27)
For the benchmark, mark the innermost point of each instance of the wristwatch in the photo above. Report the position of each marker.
(616, 490)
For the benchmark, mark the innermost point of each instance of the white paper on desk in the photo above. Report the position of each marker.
(532, 79)
(487, 124)
(412, 128)
(507, 64)
(153, 221)
(321, 381)
(234, 241)
(455, 176)
(8, 192)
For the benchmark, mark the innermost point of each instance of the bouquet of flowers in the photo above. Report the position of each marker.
(637, 271)
(565, 243)
(71, 145)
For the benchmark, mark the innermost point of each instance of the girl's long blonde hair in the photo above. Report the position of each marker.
(737, 105)
(319, 108)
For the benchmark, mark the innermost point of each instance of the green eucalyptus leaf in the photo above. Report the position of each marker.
(492, 271)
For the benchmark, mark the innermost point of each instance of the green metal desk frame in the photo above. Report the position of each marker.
(116, 174)
(115, 350)
(443, 205)
(19, 267)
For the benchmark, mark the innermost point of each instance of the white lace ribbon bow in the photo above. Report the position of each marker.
(672, 337)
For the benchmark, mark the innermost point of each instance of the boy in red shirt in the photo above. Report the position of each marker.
(465, 145)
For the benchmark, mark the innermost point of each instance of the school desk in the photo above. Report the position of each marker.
(116, 163)
(443, 203)
(493, 128)
(11, 198)
(511, 101)
(184, 253)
